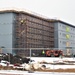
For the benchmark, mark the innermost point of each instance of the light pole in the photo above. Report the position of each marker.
(30, 71)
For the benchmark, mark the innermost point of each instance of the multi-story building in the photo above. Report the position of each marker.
(19, 29)
(64, 36)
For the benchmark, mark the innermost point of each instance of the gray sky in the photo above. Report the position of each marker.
(58, 9)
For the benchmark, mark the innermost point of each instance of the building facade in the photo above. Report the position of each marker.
(6, 30)
(64, 36)
(20, 29)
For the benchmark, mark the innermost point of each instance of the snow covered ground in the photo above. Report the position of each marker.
(44, 59)
(12, 72)
(51, 60)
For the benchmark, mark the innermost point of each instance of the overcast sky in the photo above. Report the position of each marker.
(58, 9)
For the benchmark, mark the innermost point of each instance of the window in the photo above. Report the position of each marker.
(64, 35)
(60, 41)
(67, 36)
(67, 29)
(63, 26)
(64, 42)
(67, 44)
(60, 33)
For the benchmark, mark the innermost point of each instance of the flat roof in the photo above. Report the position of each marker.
(35, 15)
(56, 21)
(64, 23)
(25, 12)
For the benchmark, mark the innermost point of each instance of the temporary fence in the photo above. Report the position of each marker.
(40, 52)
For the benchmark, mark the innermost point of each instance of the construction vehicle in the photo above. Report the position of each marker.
(47, 53)
(54, 53)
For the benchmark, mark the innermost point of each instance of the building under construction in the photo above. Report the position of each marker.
(21, 29)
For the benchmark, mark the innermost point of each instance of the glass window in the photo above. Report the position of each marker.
(60, 41)
(67, 29)
(67, 36)
(67, 44)
(60, 33)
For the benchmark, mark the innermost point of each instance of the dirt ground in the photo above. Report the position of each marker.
(72, 70)
(58, 70)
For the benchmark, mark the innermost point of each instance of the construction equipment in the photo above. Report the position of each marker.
(47, 53)
(54, 53)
